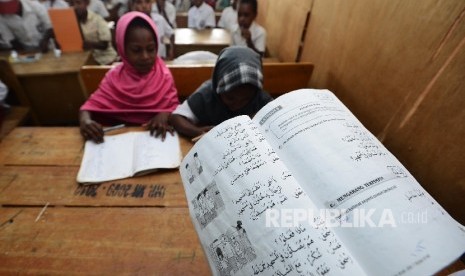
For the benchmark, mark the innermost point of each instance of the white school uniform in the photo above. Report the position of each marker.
(163, 30)
(5, 35)
(257, 32)
(170, 11)
(182, 5)
(228, 19)
(185, 110)
(201, 17)
(98, 7)
(29, 28)
(57, 4)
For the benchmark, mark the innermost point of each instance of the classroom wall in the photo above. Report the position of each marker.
(400, 67)
(287, 22)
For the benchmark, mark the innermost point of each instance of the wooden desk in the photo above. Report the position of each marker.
(211, 62)
(53, 87)
(182, 22)
(213, 40)
(51, 225)
(139, 225)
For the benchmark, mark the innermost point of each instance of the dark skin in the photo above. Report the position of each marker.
(198, 3)
(141, 51)
(245, 17)
(234, 100)
(80, 8)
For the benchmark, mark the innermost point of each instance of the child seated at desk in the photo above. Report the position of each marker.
(138, 91)
(166, 10)
(201, 16)
(247, 32)
(26, 25)
(95, 33)
(228, 19)
(236, 88)
(163, 27)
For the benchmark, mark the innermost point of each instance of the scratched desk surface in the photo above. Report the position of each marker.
(51, 225)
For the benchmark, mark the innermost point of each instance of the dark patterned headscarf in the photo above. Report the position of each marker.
(235, 66)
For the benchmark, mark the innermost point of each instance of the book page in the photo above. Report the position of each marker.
(236, 188)
(153, 153)
(390, 224)
(107, 161)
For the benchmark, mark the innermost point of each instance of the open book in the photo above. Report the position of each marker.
(304, 189)
(128, 154)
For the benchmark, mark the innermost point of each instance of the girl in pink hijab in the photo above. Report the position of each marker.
(140, 91)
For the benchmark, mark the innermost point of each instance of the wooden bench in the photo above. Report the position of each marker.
(279, 77)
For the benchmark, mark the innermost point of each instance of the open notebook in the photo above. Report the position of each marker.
(126, 155)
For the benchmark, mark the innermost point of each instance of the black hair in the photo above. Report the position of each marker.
(139, 22)
(253, 3)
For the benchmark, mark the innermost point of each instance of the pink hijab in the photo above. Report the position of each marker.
(124, 95)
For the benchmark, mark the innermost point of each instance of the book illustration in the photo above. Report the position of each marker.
(208, 204)
(194, 168)
(198, 164)
(190, 172)
(232, 250)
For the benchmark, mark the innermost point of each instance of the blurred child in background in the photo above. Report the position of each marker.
(247, 32)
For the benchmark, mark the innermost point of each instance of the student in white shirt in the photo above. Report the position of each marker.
(165, 9)
(182, 5)
(95, 32)
(164, 30)
(54, 4)
(201, 16)
(99, 8)
(247, 32)
(223, 4)
(228, 17)
(26, 23)
(5, 36)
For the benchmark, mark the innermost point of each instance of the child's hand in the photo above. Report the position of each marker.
(206, 129)
(91, 130)
(246, 34)
(159, 125)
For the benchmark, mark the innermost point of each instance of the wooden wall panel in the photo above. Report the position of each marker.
(429, 137)
(399, 66)
(284, 22)
(375, 54)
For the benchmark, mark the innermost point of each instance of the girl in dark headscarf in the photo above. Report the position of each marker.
(236, 88)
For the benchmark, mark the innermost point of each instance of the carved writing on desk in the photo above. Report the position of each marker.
(122, 190)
